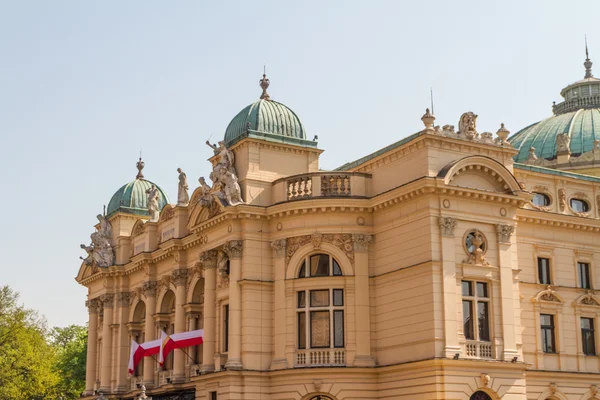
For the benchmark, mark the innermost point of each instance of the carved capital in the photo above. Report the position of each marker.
(124, 299)
(93, 306)
(233, 249)
(108, 300)
(504, 232)
(279, 247)
(179, 276)
(361, 242)
(149, 288)
(208, 259)
(447, 225)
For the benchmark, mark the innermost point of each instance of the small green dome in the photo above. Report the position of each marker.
(269, 120)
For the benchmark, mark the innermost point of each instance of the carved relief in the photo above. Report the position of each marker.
(548, 295)
(467, 125)
(279, 247)
(342, 241)
(233, 249)
(179, 276)
(223, 270)
(562, 199)
(167, 214)
(149, 288)
(475, 245)
(589, 300)
(108, 300)
(138, 229)
(504, 232)
(361, 242)
(447, 225)
(124, 299)
(485, 379)
(93, 306)
(208, 259)
(316, 239)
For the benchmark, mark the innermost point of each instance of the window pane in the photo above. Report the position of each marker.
(301, 330)
(544, 270)
(301, 299)
(541, 200)
(547, 325)
(546, 320)
(319, 329)
(468, 320)
(467, 288)
(338, 328)
(226, 328)
(484, 326)
(302, 272)
(338, 297)
(579, 205)
(586, 323)
(319, 298)
(482, 289)
(337, 271)
(584, 275)
(319, 265)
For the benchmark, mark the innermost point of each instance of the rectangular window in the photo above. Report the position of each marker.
(544, 271)
(482, 321)
(301, 299)
(213, 396)
(467, 288)
(583, 270)
(319, 298)
(588, 341)
(547, 326)
(468, 319)
(301, 330)
(476, 300)
(338, 297)
(338, 328)
(319, 329)
(226, 328)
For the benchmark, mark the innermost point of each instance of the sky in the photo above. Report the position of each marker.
(84, 86)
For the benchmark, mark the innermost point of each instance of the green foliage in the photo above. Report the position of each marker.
(70, 344)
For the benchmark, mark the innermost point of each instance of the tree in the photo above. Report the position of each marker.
(26, 357)
(70, 344)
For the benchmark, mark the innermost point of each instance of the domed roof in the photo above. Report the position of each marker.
(576, 120)
(131, 198)
(269, 120)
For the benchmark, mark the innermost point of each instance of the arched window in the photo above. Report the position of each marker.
(479, 395)
(579, 205)
(541, 200)
(321, 397)
(319, 265)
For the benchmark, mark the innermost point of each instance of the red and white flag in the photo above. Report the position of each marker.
(139, 351)
(179, 340)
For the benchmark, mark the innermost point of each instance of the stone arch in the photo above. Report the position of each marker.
(196, 295)
(587, 299)
(318, 396)
(167, 213)
(138, 313)
(325, 248)
(480, 172)
(198, 213)
(548, 295)
(482, 394)
(552, 393)
(85, 271)
(138, 228)
(166, 304)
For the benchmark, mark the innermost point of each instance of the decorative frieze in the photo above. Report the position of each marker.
(504, 232)
(179, 276)
(589, 300)
(93, 305)
(208, 259)
(316, 239)
(361, 242)
(342, 241)
(149, 288)
(233, 249)
(108, 300)
(278, 247)
(562, 199)
(124, 299)
(447, 225)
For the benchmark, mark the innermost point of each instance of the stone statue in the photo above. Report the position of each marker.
(233, 192)
(183, 198)
(467, 125)
(563, 142)
(226, 156)
(153, 203)
(100, 251)
(225, 188)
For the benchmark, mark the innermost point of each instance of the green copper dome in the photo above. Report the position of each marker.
(131, 198)
(268, 120)
(576, 123)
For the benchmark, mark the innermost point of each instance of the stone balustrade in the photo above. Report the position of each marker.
(163, 376)
(476, 349)
(321, 357)
(576, 104)
(320, 185)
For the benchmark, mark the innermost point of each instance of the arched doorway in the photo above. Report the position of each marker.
(479, 395)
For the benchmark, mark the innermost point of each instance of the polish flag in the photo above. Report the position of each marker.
(139, 351)
(166, 346)
(179, 340)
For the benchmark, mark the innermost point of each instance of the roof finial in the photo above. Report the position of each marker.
(264, 84)
(587, 64)
(140, 166)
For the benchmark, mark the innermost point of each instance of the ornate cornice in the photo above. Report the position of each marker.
(559, 220)
(180, 276)
(233, 249)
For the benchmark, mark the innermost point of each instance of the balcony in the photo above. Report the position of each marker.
(194, 370)
(163, 376)
(321, 358)
(321, 185)
(134, 381)
(476, 349)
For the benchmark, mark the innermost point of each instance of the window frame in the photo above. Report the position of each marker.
(549, 272)
(552, 329)
(583, 201)
(546, 197)
(588, 278)
(474, 299)
(225, 346)
(304, 271)
(304, 318)
(592, 332)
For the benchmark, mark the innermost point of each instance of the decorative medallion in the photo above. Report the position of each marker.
(360, 221)
(446, 203)
(503, 212)
(279, 226)
(475, 244)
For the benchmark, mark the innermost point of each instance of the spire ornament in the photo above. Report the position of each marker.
(587, 64)
(140, 166)
(264, 84)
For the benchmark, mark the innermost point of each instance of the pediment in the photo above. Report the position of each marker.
(480, 173)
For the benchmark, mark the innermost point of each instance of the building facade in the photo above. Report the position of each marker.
(452, 264)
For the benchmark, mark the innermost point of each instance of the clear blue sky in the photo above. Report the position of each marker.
(85, 85)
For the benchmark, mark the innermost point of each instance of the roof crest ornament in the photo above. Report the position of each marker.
(264, 84)
(140, 166)
(587, 64)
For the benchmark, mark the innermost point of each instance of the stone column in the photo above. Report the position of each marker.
(92, 356)
(363, 356)
(208, 259)
(124, 345)
(233, 249)
(452, 346)
(105, 371)
(149, 289)
(279, 319)
(507, 301)
(179, 277)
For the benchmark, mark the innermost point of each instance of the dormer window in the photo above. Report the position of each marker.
(541, 200)
(580, 206)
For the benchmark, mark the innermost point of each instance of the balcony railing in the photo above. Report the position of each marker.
(476, 349)
(576, 104)
(321, 358)
(321, 184)
(134, 381)
(194, 370)
(162, 377)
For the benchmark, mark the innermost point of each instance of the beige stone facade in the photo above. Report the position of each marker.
(356, 283)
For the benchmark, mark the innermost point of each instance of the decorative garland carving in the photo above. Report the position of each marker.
(342, 241)
(504, 232)
(447, 225)
(548, 295)
(589, 300)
